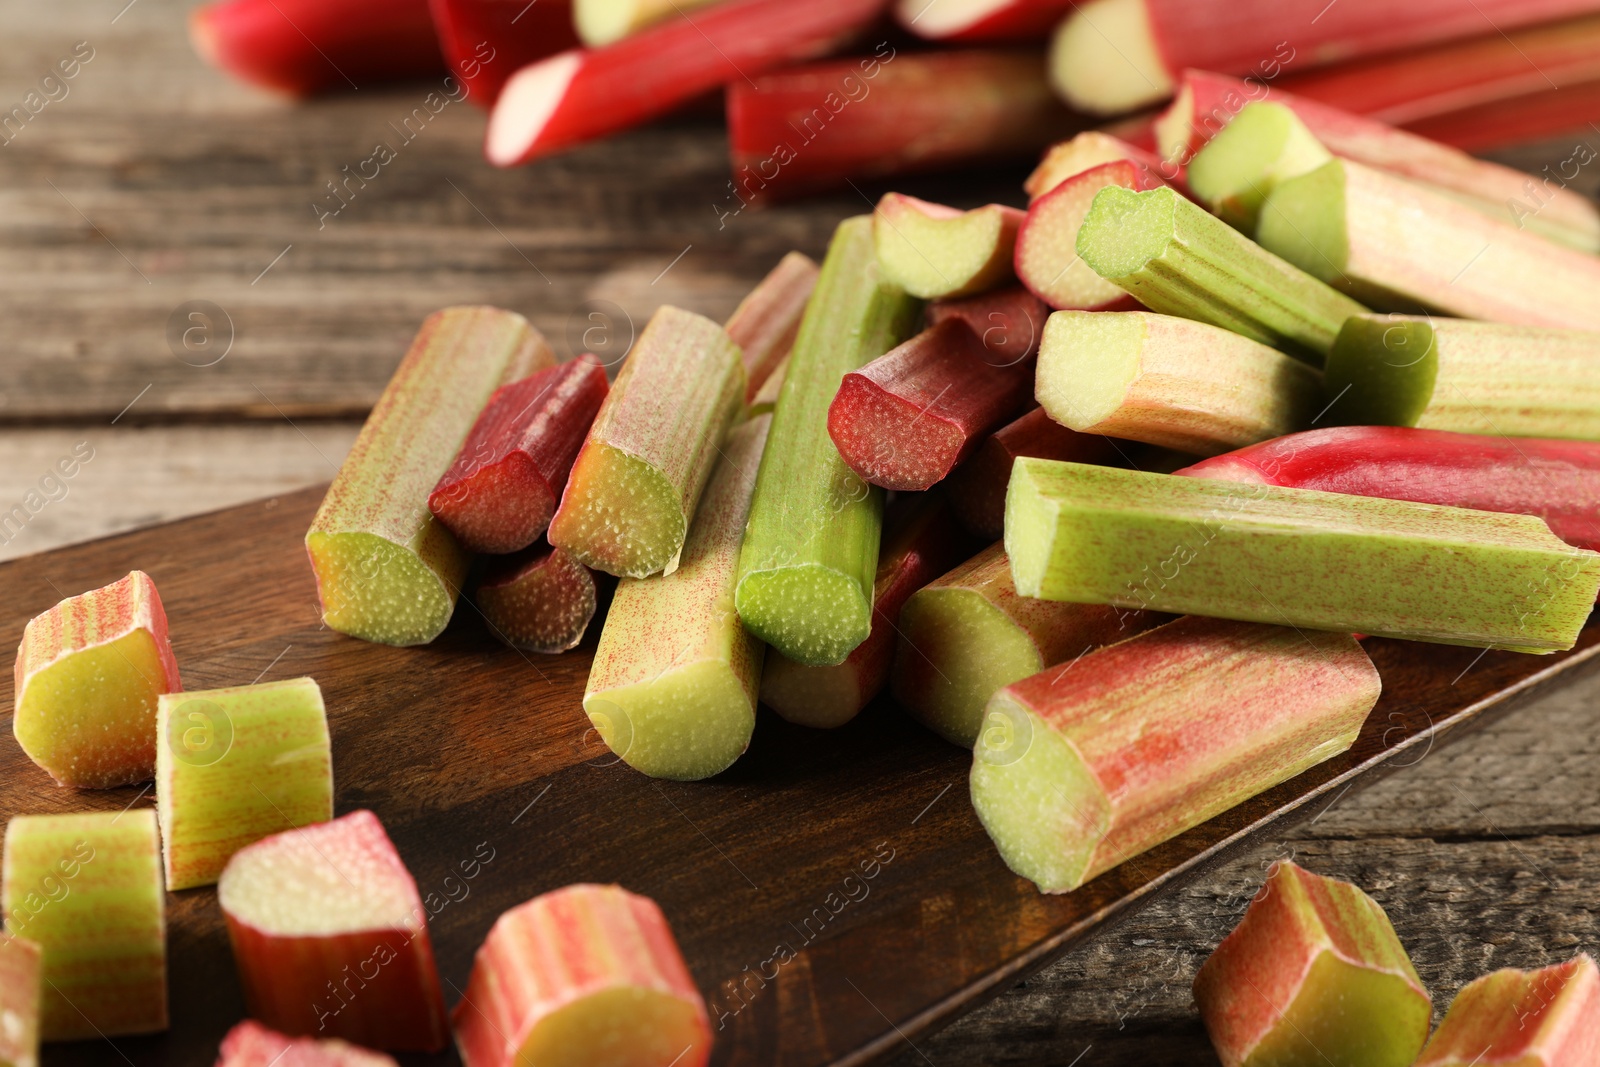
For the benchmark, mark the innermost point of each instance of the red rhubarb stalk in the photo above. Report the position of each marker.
(907, 418)
(301, 47)
(980, 20)
(820, 126)
(540, 600)
(1047, 258)
(1084, 152)
(1009, 322)
(765, 323)
(252, 1045)
(580, 94)
(486, 41)
(1551, 113)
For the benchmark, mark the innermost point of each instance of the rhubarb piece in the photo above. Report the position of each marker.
(1313, 974)
(21, 964)
(499, 494)
(1399, 245)
(1009, 322)
(765, 323)
(673, 686)
(1523, 120)
(1171, 382)
(980, 20)
(386, 570)
(810, 554)
(486, 41)
(250, 1044)
(602, 22)
(580, 95)
(766, 399)
(1175, 259)
(235, 765)
(1047, 247)
(1296, 557)
(977, 488)
(588, 974)
(633, 489)
(919, 544)
(1084, 766)
(1511, 1018)
(1089, 149)
(967, 635)
(540, 600)
(1474, 377)
(330, 936)
(907, 418)
(87, 890)
(1266, 144)
(301, 47)
(931, 250)
(822, 126)
(87, 677)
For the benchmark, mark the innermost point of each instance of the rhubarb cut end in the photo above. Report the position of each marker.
(1047, 259)
(1174, 128)
(813, 614)
(1381, 1019)
(1087, 362)
(1104, 58)
(604, 23)
(642, 539)
(932, 252)
(820, 698)
(499, 508)
(889, 441)
(1124, 230)
(527, 103)
(541, 601)
(1303, 221)
(936, 21)
(661, 1029)
(1030, 523)
(645, 724)
(1265, 144)
(1381, 372)
(376, 590)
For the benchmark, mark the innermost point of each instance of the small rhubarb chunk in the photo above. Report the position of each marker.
(1313, 975)
(1047, 246)
(1171, 382)
(252, 1045)
(766, 321)
(1323, 561)
(330, 936)
(1009, 322)
(21, 964)
(931, 250)
(1265, 145)
(1511, 1018)
(387, 570)
(499, 494)
(540, 600)
(589, 974)
(235, 765)
(1086, 151)
(87, 889)
(88, 673)
(675, 678)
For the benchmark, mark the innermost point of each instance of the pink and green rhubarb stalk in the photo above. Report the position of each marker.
(1511, 1018)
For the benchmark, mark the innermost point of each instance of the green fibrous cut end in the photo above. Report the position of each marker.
(687, 724)
(630, 1026)
(1381, 372)
(1264, 145)
(1347, 1015)
(620, 515)
(376, 590)
(1303, 220)
(814, 613)
(1096, 358)
(938, 255)
(1124, 230)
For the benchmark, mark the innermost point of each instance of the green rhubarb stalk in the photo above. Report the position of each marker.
(675, 678)
(1264, 145)
(387, 570)
(1175, 259)
(1171, 382)
(634, 487)
(1296, 557)
(810, 555)
(235, 765)
(1471, 377)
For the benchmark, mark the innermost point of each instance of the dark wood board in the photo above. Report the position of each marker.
(465, 742)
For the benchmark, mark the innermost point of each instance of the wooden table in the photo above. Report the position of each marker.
(156, 190)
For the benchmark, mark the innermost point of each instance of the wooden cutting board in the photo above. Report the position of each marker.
(833, 892)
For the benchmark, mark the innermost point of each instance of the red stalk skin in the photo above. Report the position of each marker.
(977, 488)
(767, 321)
(649, 73)
(821, 126)
(539, 600)
(1009, 322)
(1016, 20)
(506, 481)
(1569, 109)
(304, 47)
(486, 41)
(249, 1044)
(907, 418)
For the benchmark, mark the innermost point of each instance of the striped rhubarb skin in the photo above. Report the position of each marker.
(539, 600)
(87, 676)
(766, 322)
(250, 1044)
(1511, 1018)
(578, 970)
(1047, 259)
(1552, 113)
(485, 42)
(1009, 322)
(21, 963)
(981, 20)
(580, 95)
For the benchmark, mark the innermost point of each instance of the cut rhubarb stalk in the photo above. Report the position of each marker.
(1009, 322)
(907, 418)
(674, 682)
(234, 765)
(1116, 55)
(499, 494)
(1047, 247)
(1175, 259)
(792, 132)
(977, 488)
(930, 250)
(589, 974)
(1266, 144)
(1089, 149)
(1171, 382)
(303, 47)
(1400, 245)
(88, 673)
(387, 571)
(1473, 377)
(1544, 1018)
(87, 889)
(580, 95)
(810, 555)
(766, 399)
(1522, 120)
(969, 634)
(331, 939)
(486, 41)
(633, 489)
(980, 20)
(602, 22)
(1084, 766)
(252, 1045)
(765, 323)
(1324, 561)
(540, 600)
(21, 964)
(1313, 974)
(919, 544)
